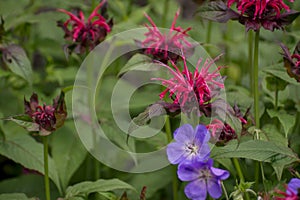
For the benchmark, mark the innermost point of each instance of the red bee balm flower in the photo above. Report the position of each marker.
(47, 117)
(86, 34)
(186, 88)
(166, 46)
(256, 13)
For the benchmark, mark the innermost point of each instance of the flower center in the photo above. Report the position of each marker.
(205, 174)
(192, 148)
(44, 116)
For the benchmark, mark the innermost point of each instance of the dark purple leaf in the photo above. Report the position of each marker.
(217, 11)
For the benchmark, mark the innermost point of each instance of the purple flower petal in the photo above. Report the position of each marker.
(196, 190)
(203, 152)
(185, 133)
(202, 134)
(175, 152)
(214, 188)
(188, 171)
(220, 173)
(293, 186)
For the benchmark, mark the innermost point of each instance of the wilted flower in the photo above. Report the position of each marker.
(292, 190)
(222, 132)
(192, 89)
(85, 34)
(204, 178)
(47, 117)
(254, 14)
(190, 144)
(292, 62)
(166, 46)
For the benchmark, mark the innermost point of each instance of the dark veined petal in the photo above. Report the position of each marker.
(196, 190)
(188, 171)
(214, 188)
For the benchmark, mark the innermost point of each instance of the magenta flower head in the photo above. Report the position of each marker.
(190, 144)
(292, 190)
(254, 14)
(187, 88)
(85, 34)
(203, 178)
(265, 13)
(166, 46)
(292, 61)
(46, 117)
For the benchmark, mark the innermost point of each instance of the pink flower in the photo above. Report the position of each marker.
(186, 88)
(166, 46)
(85, 34)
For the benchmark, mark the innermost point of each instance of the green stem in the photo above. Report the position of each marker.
(238, 169)
(262, 174)
(165, 14)
(255, 79)
(175, 180)
(97, 169)
(46, 170)
(240, 174)
(225, 191)
(208, 33)
(250, 59)
(276, 99)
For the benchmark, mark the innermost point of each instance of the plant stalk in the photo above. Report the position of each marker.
(255, 79)
(46, 169)
(175, 179)
(250, 59)
(165, 14)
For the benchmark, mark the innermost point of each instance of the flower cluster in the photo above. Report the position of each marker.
(85, 35)
(191, 151)
(166, 46)
(292, 190)
(292, 62)
(254, 14)
(47, 117)
(193, 89)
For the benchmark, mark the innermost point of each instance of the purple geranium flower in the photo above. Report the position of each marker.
(291, 190)
(204, 178)
(190, 144)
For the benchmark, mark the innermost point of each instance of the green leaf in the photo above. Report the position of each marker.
(17, 61)
(14, 196)
(271, 133)
(23, 149)
(279, 71)
(101, 185)
(287, 120)
(139, 62)
(275, 84)
(24, 121)
(30, 184)
(68, 152)
(257, 150)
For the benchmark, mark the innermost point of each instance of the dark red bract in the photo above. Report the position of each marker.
(85, 34)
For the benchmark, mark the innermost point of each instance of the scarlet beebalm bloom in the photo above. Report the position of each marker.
(254, 14)
(292, 61)
(192, 90)
(166, 46)
(47, 117)
(85, 34)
